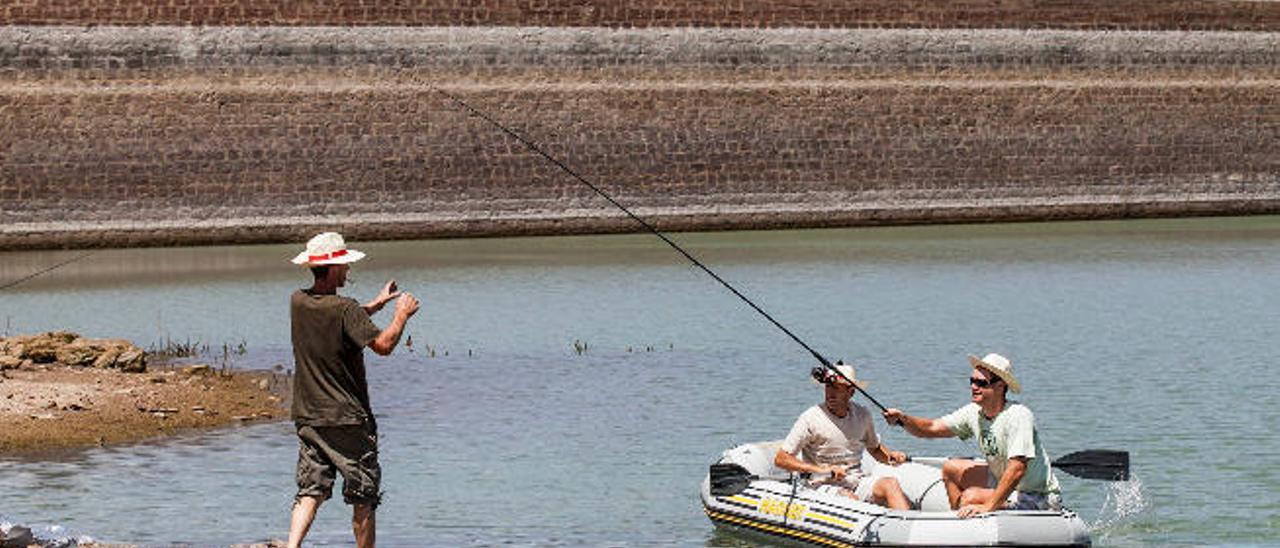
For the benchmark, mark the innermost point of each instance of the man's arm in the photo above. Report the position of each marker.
(919, 427)
(388, 294)
(888, 456)
(386, 341)
(787, 461)
(1013, 473)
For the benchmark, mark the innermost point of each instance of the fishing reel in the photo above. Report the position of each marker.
(824, 375)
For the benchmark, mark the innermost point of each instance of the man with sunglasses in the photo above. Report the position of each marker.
(1016, 473)
(831, 437)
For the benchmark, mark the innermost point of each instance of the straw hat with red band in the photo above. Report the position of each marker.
(327, 248)
(999, 366)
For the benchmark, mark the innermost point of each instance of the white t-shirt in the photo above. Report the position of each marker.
(1012, 434)
(823, 438)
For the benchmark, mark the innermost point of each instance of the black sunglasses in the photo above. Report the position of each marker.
(983, 383)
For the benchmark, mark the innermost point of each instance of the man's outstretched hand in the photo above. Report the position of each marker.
(406, 305)
(388, 294)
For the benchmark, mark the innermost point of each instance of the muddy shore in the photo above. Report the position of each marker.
(58, 408)
(54, 407)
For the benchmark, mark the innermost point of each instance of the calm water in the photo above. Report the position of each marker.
(1156, 337)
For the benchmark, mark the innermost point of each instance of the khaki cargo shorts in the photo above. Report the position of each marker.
(325, 451)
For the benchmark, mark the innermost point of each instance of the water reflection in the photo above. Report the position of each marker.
(1167, 240)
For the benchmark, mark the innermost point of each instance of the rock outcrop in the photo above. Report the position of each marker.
(67, 348)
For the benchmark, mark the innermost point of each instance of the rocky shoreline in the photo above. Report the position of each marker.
(63, 392)
(13, 535)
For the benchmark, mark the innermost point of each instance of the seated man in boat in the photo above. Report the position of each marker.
(1016, 473)
(831, 437)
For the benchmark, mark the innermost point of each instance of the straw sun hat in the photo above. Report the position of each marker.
(1000, 367)
(327, 248)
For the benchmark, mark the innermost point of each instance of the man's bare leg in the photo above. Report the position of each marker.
(364, 525)
(961, 474)
(887, 492)
(304, 512)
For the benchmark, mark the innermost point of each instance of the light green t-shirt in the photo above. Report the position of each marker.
(1012, 434)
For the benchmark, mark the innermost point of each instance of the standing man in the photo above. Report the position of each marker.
(831, 437)
(336, 429)
(1016, 475)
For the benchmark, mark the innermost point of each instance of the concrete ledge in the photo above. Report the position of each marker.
(489, 48)
(256, 231)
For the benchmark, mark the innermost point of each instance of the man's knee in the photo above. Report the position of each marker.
(965, 473)
(887, 486)
(954, 469)
(363, 512)
(308, 501)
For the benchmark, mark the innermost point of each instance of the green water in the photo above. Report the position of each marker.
(1155, 337)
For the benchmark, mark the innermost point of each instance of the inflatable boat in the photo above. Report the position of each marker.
(745, 492)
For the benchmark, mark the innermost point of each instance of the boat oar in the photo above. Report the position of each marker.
(1096, 464)
(1099, 464)
(728, 479)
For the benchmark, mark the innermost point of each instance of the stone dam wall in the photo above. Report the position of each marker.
(147, 131)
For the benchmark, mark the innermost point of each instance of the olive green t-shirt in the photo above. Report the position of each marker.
(1011, 434)
(329, 335)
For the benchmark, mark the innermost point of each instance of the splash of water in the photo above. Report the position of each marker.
(1124, 502)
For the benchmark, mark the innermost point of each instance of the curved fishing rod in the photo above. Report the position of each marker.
(535, 148)
(45, 271)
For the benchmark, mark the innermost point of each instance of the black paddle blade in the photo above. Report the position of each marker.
(1099, 464)
(728, 479)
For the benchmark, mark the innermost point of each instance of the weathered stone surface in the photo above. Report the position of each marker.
(196, 370)
(132, 361)
(107, 358)
(17, 536)
(43, 348)
(70, 349)
(1078, 14)
(80, 352)
(120, 136)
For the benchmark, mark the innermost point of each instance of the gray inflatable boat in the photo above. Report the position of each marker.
(745, 492)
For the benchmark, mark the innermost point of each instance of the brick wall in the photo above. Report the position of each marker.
(1035, 14)
(169, 135)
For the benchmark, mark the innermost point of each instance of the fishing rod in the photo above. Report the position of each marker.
(535, 148)
(45, 271)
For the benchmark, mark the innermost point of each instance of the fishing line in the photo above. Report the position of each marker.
(535, 148)
(45, 271)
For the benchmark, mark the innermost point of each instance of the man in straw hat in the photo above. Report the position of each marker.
(1016, 473)
(336, 429)
(831, 436)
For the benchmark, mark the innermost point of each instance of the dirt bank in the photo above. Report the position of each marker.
(58, 407)
(53, 406)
